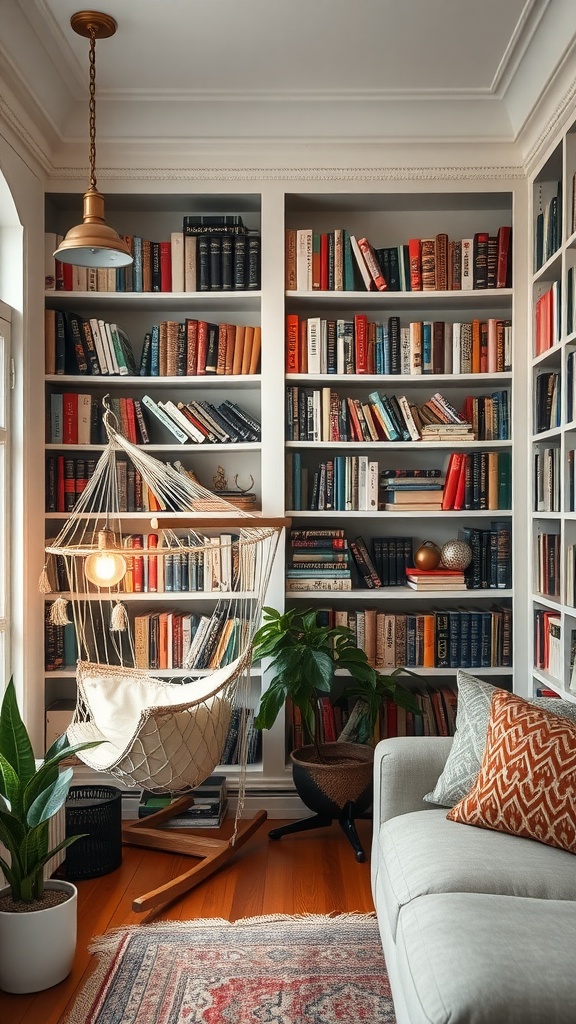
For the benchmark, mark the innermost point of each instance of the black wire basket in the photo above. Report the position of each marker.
(95, 813)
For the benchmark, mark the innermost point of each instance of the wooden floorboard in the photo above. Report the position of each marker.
(306, 873)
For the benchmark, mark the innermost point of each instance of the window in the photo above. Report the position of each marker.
(4, 494)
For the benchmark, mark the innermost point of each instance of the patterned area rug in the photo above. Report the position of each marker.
(262, 970)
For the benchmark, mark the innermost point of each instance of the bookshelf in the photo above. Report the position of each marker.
(388, 213)
(553, 606)
(390, 220)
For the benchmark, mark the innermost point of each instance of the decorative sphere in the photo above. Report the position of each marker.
(427, 556)
(456, 554)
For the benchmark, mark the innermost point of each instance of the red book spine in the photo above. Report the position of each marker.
(131, 418)
(165, 266)
(415, 259)
(371, 261)
(292, 346)
(504, 238)
(452, 480)
(461, 488)
(361, 342)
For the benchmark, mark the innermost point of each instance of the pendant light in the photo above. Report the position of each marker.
(92, 243)
(106, 567)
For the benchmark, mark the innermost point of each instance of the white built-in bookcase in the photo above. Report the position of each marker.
(388, 213)
(555, 175)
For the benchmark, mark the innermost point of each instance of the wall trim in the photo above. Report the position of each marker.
(224, 173)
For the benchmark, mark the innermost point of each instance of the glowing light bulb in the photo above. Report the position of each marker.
(105, 568)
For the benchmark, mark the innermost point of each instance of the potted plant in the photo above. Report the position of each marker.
(333, 779)
(37, 917)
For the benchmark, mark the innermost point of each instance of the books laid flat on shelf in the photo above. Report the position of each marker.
(320, 559)
(208, 810)
(435, 579)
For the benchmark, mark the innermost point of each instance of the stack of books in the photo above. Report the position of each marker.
(320, 560)
(412, 490)
(207, 811)
(435, 579)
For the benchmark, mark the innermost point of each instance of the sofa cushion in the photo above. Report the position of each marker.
(527, 781)
(487, 959)
(472, 715)
(420, 854)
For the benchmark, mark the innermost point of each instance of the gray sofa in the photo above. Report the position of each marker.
(478, 927)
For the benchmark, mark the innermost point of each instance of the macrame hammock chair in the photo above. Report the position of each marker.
(162, 735)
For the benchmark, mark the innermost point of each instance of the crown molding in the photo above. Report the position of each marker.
(292, 173)
(555, 106)
(519, 42)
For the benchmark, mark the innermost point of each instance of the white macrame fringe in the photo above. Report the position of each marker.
(119, 618)
(44, 586)
(59, 612)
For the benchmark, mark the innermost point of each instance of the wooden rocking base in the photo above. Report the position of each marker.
(212, 854)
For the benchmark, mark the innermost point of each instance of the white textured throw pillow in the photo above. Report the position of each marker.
(467, 751)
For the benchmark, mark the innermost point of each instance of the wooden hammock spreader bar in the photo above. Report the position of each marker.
(192, 521)
(211, 854)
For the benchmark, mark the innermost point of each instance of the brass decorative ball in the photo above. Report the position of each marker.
(427, 556)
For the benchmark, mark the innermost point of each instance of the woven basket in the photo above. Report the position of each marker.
(345, 776)
(95, 812)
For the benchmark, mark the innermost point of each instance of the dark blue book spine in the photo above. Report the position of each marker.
(486, 640)
(475, 634)
(465, 640)
(442, 632)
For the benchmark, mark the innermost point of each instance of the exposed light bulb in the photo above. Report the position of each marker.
(105, 568)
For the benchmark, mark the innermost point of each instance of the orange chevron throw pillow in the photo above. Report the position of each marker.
(527, 781)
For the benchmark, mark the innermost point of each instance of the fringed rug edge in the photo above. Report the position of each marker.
(109, 946)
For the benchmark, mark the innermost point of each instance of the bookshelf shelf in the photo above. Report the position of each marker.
(420, 446)
(389, 302)
(181, 302)
(235, 383)
(404, 594)
(382, 517)
(176, 447)
(388, 380)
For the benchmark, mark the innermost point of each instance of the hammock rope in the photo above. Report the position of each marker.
(165, 733)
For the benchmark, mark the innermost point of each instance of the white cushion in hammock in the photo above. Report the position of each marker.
(117, 698)
(166, 737)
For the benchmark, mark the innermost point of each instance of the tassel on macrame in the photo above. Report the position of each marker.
(59, 612)
(44, 581)
(119, 618)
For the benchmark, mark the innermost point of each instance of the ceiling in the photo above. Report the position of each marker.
(307, 70)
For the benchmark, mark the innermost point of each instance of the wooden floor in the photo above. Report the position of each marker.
(314, 873)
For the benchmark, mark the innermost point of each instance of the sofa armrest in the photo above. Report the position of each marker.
(405, 769)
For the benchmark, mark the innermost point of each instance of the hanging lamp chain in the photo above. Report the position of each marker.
(92, 108)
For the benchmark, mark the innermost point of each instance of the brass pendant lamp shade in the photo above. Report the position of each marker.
(92, 243)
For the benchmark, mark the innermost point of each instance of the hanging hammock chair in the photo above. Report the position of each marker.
(163, 733)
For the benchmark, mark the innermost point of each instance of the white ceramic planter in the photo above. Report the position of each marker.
(38, 946)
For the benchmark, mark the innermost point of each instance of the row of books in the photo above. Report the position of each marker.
(327, 557)
(67, 476)
(570, 386)
(339, 261)
(547, 410)
(491, 564)
(548, 317)
(455, 638)
(176, 640)
(74, 344)
(548, 228)
(75, 418)
(192, 347)
(547, 481)
(199, 257)
(548, 649)
(90, 346)
(221, 565)
(478, 481)
(547, 565)
(359, 345)
(321, 414)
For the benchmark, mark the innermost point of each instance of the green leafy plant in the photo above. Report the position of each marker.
(305, 657)
(29, 797)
